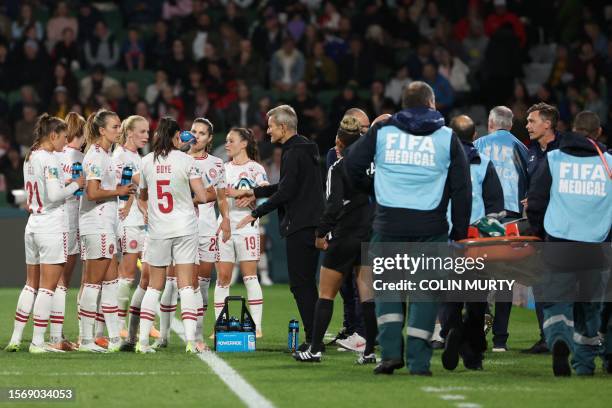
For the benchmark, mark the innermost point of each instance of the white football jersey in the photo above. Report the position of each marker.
(123, 157)
(213, 174)
(170, 206)
(243, 177)
(98, 217)
(67, 158)
(39, 172)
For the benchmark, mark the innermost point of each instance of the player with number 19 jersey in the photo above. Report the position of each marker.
(244, 243)
(213, 173)
(171, 213)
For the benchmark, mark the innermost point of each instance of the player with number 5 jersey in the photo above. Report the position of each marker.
(242, 172)
(167, 179)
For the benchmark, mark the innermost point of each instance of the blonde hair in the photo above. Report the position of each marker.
(127, 125)
(76, 126)
(95, 122)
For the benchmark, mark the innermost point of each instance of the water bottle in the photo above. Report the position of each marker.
(234, 324)
(247, 325)
(126, 178)
(187, 137)
(77, 171)
(293, 340)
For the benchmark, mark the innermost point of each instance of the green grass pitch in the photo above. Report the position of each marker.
(172, 378)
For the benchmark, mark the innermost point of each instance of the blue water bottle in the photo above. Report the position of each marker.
(77, 170)
(126, 178)
(293, 339)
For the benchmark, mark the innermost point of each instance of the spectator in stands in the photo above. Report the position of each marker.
(403, 29)
(596, 104)
(454, 70)
(62, 76)
(296, 27)
(204, 108)
(7, 82)
(127, 105)
(5, 27)
(176, 9)
(248, 66)
(234, 17)
(502, 16)
(396, 85)
(598, 39)
(102, 49)
(356, 64)
(26, 19)
(60, 102)
(321, 71)
(11, 166)
(88, 17)
(559, 73)
(304, 105)
(585, 57)
(377, 103)
(33, 68)
(221, 88)
(142, 109)
(445, 96)
(153, 90)
(24, 128)
(159, 46)
(99, 83)
(202, 35)
(60, 21)
(347, 99)
(243, 111)
(28, 96)
(287, 66)
(165, 101)
(268, 38)
(133, 51)
(67, 50)
(424, 55)
(177, 66)
(595, 79)
(230, 41)
(475, 45)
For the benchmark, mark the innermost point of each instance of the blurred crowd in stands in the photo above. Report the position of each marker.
(232, 60)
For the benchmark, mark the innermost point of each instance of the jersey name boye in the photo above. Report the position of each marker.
(67, 158)
(170, 206)
(244, 176)
(46, 216)
(98, 217)
(213, 173)
(122, 158)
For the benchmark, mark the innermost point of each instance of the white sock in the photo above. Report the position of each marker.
(204, 285)
(58, 308)
(41, 312)
(22, 312)
(167, 307)
(221, 292)
(135, 313)
(147, 314)
(123, 297)
(200, 309)
(108, 304)
(189, 312)
(255, 297)
(88, 304)
(100, 322)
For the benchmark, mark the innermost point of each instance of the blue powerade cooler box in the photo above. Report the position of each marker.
(231, 334)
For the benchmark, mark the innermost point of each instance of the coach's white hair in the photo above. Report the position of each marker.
(284, 115)
(501, 117)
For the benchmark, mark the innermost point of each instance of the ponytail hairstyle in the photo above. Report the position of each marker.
(76, 126)
(349, 131)
(95, 122)
(251, 149)
(166, 129)
(209, 124)
(128, 125)
(45, 125)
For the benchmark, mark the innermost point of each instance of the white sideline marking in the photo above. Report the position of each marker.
(451, 397)
(235, 382)
(467, 405)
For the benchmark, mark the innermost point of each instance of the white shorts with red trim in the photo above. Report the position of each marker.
(74, 244)
(46, 248)
(96, 246)
(208, 249)
(177, 251)
(239, 248)
(131, 239)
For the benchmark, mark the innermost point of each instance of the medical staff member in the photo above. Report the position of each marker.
(570, 200)
(420, 165)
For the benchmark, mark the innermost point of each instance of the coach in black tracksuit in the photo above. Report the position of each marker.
(298, 196)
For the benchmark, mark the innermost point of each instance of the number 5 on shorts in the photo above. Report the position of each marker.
(161, 194)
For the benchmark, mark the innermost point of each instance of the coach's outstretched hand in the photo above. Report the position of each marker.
(246, 220)
(235, 193)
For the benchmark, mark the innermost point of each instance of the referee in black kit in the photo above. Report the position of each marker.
(298, 196)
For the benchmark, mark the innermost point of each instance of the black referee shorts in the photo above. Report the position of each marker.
(343, 255)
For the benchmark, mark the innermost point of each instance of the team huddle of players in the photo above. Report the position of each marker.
(163, 218)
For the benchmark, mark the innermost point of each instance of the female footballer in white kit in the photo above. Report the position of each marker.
(131, 225)
(242, 172)
(97, 226)
(70, 154)
(213, 172)
(46, 233)
(167, 178)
